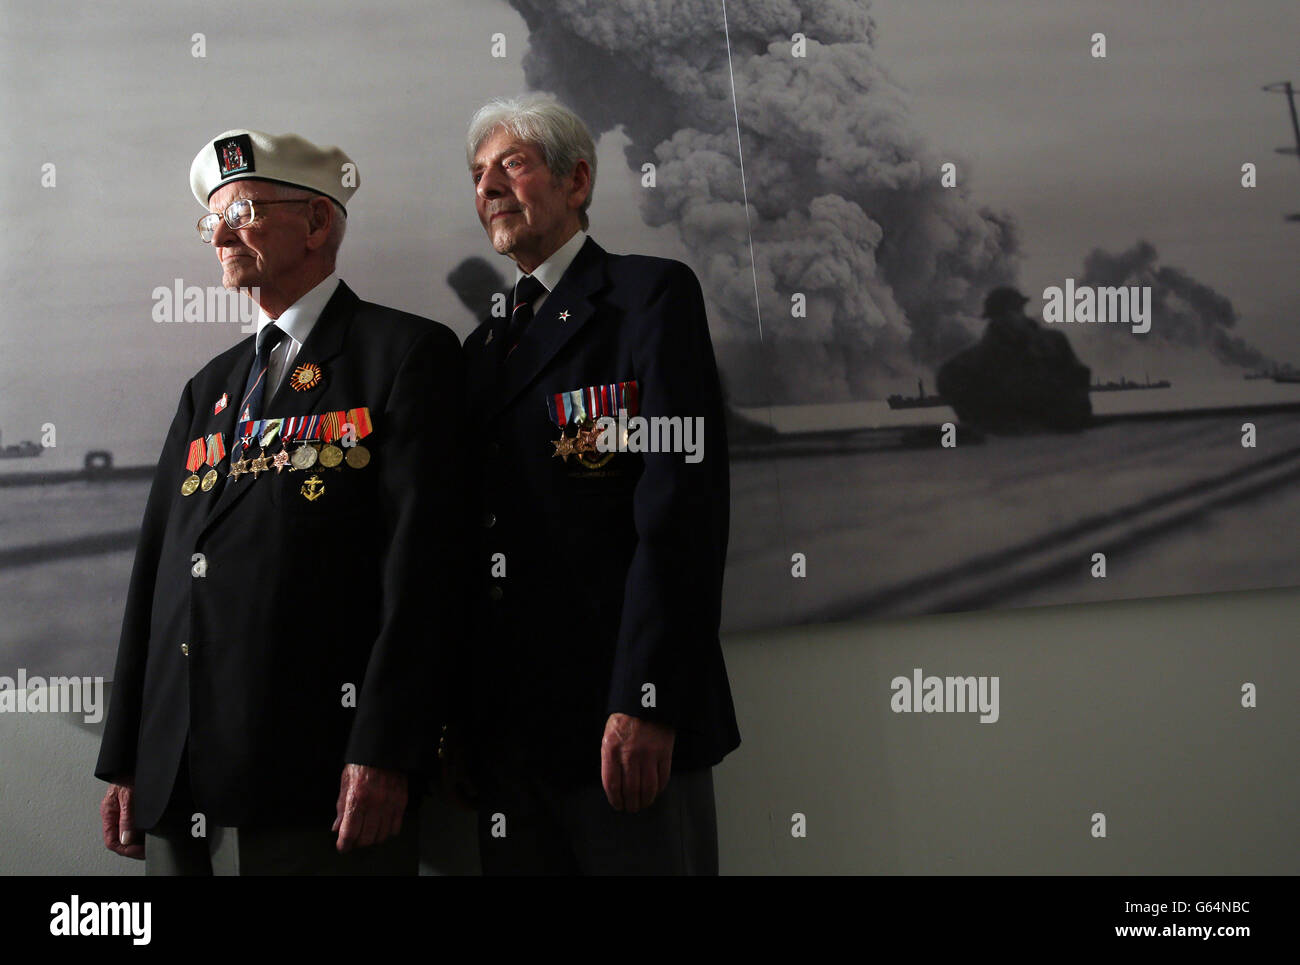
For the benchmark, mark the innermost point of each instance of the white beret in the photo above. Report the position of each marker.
(241, 155)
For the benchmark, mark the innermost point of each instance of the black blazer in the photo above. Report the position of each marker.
(301, 597)
(613, 575)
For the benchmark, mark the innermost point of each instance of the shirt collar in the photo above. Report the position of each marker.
(300, 318)
(553, 268)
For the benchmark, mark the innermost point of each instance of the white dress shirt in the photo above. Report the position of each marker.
(296, 321)
(553, 268)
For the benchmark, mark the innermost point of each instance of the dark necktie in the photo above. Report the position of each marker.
(250, 406)
(526, 292)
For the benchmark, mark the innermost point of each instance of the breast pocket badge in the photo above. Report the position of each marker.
(313, 488)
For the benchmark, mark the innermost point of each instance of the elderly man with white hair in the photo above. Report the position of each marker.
(596, 700)
(276, 685)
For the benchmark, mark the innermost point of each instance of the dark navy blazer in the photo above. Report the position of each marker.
(300, 598)
(612, 572)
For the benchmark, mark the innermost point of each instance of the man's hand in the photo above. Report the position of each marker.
(115, 811)
(370, 806)
(636, 757)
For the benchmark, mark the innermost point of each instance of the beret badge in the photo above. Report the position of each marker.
(234, 154)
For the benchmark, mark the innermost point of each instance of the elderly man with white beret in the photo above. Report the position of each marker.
(277, 681)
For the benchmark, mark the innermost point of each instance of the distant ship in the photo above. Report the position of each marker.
(922, 401)
(1124, 385)
(1284, 373)
(918, 401)
(24, 450)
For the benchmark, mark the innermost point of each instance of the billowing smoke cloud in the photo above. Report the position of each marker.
(845, 201)
(1184, 313)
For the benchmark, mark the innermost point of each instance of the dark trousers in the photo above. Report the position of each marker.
(172, 849)
(531, 825)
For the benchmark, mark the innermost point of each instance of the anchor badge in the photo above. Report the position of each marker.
(313, 489)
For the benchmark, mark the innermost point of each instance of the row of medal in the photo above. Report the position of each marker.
(315, 433)
(581, 409)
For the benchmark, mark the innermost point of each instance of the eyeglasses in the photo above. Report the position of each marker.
(238, 214)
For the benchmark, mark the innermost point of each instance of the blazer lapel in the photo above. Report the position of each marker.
(483, 367)
(566, 310)
(229, 419)
(323, 344)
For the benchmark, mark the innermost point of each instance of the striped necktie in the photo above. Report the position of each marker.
(250, 407)
(526, 292)
(255, 387)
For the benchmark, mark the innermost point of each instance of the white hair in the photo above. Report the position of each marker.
(539, 119)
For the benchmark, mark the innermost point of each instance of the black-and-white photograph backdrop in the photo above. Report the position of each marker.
(1003, 294)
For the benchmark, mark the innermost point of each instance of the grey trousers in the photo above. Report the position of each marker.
(530, 825)
(171, 849)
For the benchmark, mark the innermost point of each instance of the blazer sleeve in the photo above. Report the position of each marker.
(402, 695)
(117, 748)
(668, 634)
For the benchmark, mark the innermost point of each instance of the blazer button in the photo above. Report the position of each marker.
(489, 520)
(185, 649)
(496, 593)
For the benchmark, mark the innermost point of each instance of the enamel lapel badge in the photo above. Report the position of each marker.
(306, 376)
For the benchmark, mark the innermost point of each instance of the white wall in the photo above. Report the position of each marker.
(1130, 708)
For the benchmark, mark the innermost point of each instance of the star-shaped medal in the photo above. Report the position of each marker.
(238, 468)
(564, 315)
(586, 441)
(260, 464)
(564, 447)
(281, 460)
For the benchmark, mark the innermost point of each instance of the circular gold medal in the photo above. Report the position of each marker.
(330, 456)
(304, 457)
(209, 480)
(594, 460)
(358, 457)
(190, 485)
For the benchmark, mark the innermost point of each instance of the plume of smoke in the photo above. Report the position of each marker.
(845, 201)
(1185, 313)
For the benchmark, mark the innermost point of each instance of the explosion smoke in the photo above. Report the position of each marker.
(845, 201)
(1184, 312)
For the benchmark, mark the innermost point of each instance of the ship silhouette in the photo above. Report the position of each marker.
(921, 400)
(1278, 373)
(23, 450)
(918, 401)
(1124, 385)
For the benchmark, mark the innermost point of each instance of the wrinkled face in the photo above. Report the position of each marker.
(525, 210)
(256, 255)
